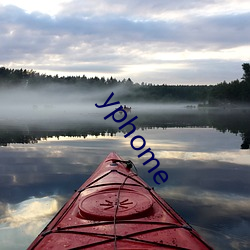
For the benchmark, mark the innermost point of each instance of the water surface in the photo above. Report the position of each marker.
(44, 160)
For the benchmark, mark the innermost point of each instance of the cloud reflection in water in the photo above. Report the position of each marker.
(25, 220)
(208, 180)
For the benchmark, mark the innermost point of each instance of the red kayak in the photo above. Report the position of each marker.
(116, 209)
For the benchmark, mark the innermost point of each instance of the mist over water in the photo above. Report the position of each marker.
(61, 102)
(55, 102)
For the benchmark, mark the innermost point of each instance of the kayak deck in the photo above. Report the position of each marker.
(116, 209)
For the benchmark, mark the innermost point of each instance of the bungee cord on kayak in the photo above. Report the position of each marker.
(116, 237)
(116, 209)
(129, 164)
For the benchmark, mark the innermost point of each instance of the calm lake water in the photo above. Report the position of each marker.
(45, 157)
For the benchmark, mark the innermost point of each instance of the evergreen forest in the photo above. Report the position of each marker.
(224, 93)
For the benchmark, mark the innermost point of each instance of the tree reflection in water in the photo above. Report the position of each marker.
(233, 121)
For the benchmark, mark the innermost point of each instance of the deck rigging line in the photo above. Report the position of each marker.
(115, 237)
(129, 164)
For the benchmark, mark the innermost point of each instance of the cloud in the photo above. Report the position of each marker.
(116, 30)
(149, 9)
(65, 32)
(115, 38)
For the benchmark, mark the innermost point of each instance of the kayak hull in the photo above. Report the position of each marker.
(116, 209)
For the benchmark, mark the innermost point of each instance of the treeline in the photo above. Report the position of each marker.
(237, 91)
(234, 92)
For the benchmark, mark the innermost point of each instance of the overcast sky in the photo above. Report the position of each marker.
(157, 41)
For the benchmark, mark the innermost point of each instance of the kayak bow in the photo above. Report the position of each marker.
(116, 209)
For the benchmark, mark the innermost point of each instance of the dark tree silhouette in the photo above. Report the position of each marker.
(246, 69)
(223, 93)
